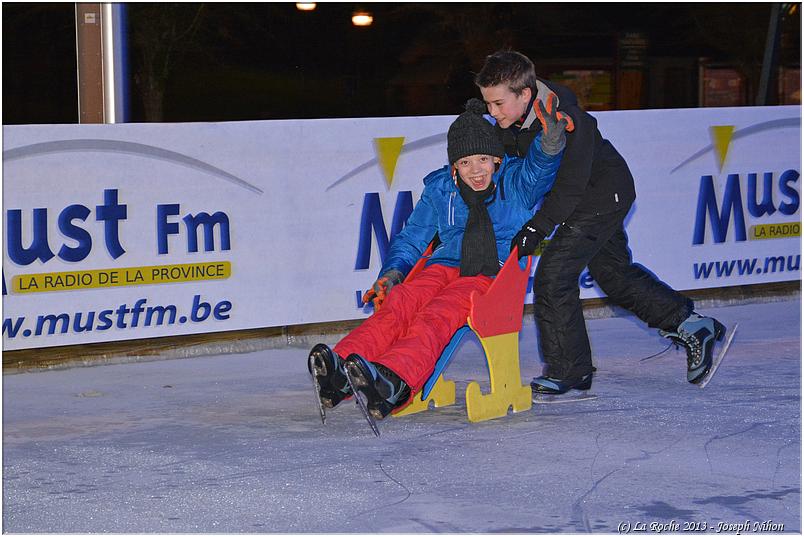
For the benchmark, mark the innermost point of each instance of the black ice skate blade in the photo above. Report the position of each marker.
(569, 397)
(360, 401)
(719, 358)
(317, 388)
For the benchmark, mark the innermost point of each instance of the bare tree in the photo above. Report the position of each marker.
(737, 32)
(162, 34)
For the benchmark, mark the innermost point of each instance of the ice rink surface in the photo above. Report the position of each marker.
(233, 444)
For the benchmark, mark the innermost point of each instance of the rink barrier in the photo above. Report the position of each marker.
(106, 221)
(304, 336)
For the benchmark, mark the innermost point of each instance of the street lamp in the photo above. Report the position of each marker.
(362, 18)
(305, 6)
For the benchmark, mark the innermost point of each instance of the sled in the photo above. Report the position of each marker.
(496, 318)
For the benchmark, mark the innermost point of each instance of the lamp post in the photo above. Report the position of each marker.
(770, 58)
(101, 62)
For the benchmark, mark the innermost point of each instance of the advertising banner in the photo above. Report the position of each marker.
(128, 231)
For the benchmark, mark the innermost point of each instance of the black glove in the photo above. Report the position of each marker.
(527, 240)
(379, 291)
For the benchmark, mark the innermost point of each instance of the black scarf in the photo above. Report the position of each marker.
(479, 246)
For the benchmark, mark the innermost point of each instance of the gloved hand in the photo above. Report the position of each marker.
(527, 240)
(554, 126)
(379, 291)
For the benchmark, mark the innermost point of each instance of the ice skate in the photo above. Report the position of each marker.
(718, 358)
(545, 385)
(699, 336)
(383, 389)
(569, 397)
(329, 379)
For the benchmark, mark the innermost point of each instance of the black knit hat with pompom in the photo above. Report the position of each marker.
(471, 134)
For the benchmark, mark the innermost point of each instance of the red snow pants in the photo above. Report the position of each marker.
(408, 334)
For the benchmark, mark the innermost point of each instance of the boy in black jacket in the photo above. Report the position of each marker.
(593, 193)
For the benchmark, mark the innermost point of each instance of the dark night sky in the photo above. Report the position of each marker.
(262, 61)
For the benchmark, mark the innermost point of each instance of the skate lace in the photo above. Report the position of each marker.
(694, 348)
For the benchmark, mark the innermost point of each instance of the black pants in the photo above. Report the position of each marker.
(599, 242)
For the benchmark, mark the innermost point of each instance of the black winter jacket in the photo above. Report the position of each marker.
(593, 178)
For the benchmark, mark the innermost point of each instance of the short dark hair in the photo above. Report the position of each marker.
(507, 67)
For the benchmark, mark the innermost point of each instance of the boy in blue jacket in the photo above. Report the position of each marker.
(476, 205)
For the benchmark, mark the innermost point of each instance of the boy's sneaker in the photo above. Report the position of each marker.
(328, 369)
(383, 388)
(697, 335)
(552, 386)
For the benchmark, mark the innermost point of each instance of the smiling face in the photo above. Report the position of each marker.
(504, 105)
(476, 170)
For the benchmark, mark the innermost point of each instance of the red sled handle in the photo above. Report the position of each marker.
(419, 266)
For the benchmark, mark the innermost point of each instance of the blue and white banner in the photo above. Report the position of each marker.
(128, 231)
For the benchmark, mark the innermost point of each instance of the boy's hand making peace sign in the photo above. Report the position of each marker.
(554, 125)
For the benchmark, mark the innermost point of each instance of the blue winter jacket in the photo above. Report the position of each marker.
(521, 183)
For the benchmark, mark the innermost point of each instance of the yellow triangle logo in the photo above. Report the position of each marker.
(388, 150)
(721, 139)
